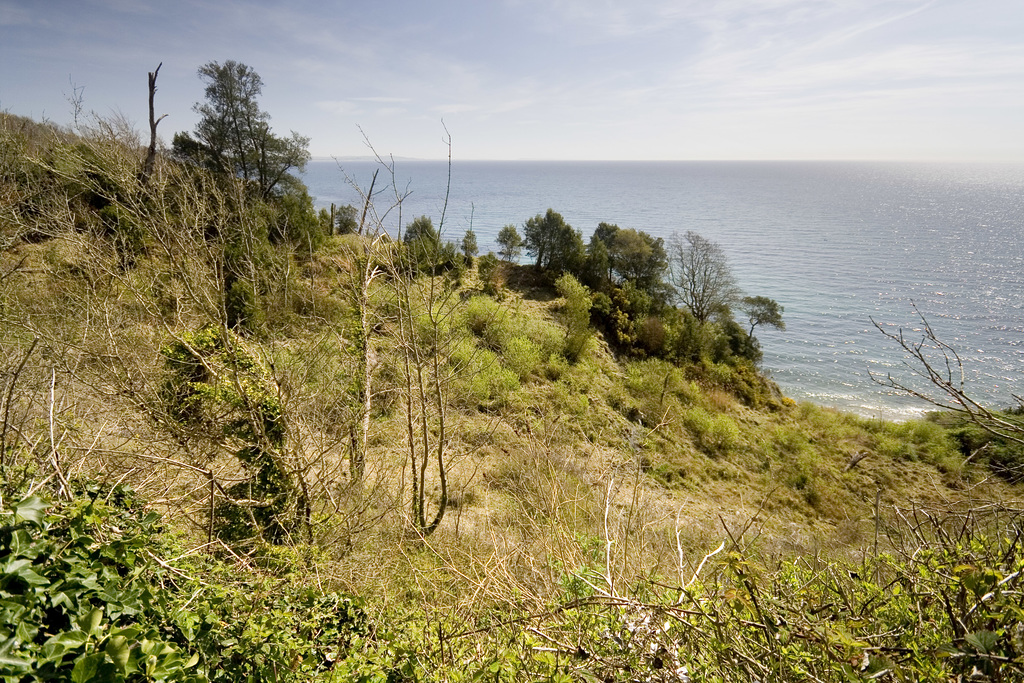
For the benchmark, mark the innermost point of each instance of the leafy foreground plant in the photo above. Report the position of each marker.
(945, 604)
(83, 597)
(74, 600)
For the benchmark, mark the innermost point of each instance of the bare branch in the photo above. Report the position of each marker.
(940, 365)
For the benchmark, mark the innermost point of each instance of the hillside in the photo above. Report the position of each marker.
(368, 460)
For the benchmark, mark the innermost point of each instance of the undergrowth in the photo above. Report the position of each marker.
(95, 589)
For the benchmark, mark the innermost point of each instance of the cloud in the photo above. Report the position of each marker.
(13, 15)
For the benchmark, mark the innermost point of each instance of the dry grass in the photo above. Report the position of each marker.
(601, 470)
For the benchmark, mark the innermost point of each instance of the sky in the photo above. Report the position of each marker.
(550, 79)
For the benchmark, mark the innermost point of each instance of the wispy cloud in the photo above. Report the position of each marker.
(547, 77)
(14, 15)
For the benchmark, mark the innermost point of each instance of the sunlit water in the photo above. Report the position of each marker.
(837, 243)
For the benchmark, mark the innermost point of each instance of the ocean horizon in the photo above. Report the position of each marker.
(838, 244)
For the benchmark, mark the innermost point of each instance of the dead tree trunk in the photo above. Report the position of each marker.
(147, 168)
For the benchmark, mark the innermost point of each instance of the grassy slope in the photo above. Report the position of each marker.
(673, 447)
(622, 471)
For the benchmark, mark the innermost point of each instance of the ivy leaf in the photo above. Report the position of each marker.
(15, 663)
(56, 647)
(90, 623)
(119, 651)
(86, 667)
(12, 663)
(23, 570)
(32, 509)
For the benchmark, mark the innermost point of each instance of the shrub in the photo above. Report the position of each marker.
(485, 318)
(85, 599)
(216, 389)
(484, 379)
(548, 337)
(492, 274)
(576, 312)
(522, 356)
(715, 434)
(78, 605)
(1004, 457)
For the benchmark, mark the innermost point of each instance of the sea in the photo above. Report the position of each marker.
(843, 246)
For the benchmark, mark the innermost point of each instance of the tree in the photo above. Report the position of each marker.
(637, 257)
(429, 253)
(217, 388)
(147, 167)
(761, 310)
(597, 268)
(557, 246)
(469, 246)
(423, 241)
(510, 243)
(701, 276)
(421, 228)
(606, 232)
(346, 219)
(233, 135)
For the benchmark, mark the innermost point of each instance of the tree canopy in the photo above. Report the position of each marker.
(510, 243)
(469, 245)
(233, 135)
(555, 244)
(762, 310)
(637, 257)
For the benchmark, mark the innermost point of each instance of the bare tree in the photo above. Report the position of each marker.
(365, 268)
(147, 169)
(700, 275)
(422, 335)
(938, 363)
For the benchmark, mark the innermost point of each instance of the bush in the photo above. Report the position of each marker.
(576, 312)
(485, 381)
(85, 599)
(658, 387)
(522, 356)
(79, 609)
(215, 389)
(715, 434)
(1003, 456)
(492, 274)
(485, 318)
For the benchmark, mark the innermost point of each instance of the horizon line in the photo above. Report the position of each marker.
(363, 159)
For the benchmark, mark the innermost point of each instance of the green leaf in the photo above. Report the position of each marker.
(32, 509)
(119, 651)
(56, 647)
(90, 623)
(85, 668)
(983, 641)
(23, 570)
(15, 663)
